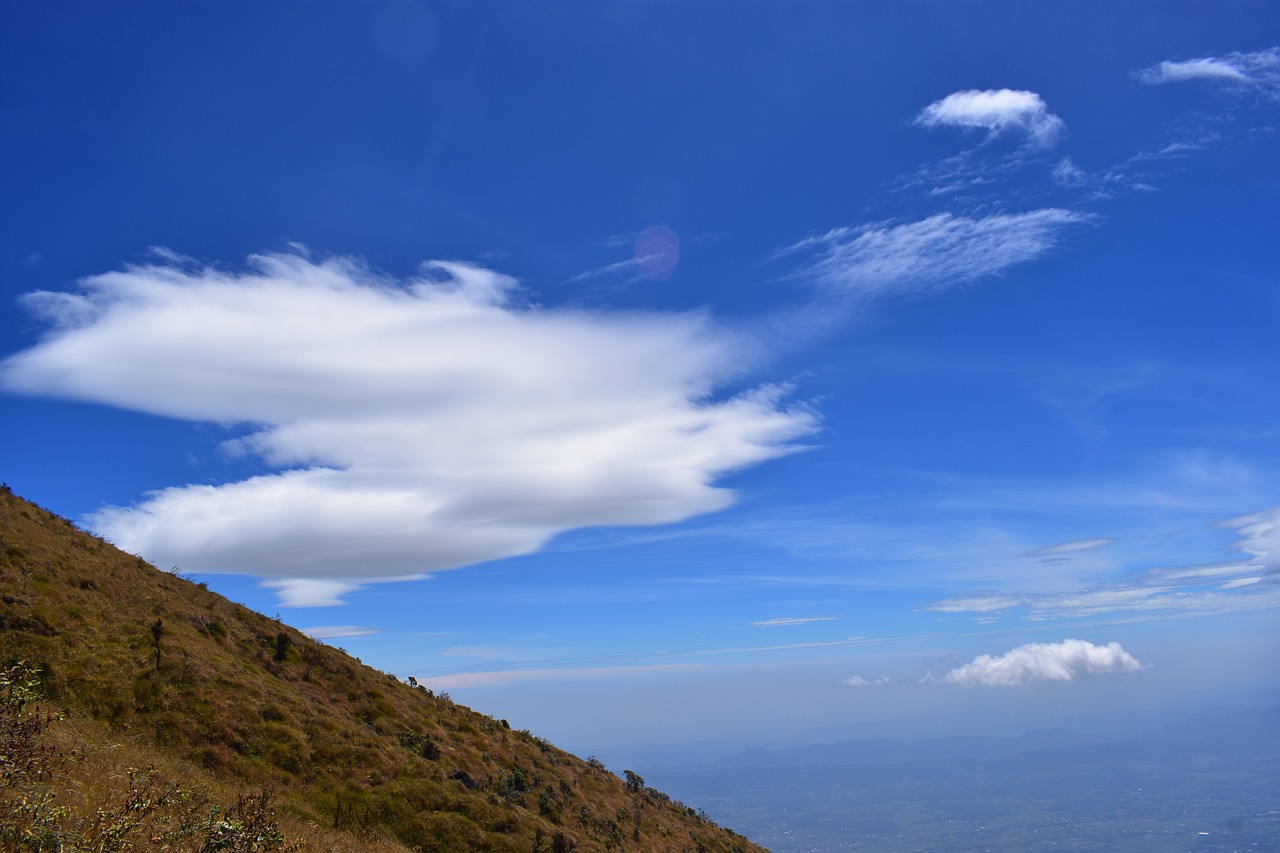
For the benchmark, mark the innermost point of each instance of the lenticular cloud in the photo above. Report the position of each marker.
(415, 426)
(1065, 661)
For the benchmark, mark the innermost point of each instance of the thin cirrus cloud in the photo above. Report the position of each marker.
(1259, 69)
(337, 632)
(931, 254)
(791, 620)
(1240, 585)
(1260, 539)
(1072, 547)
(977, 604)
(1065, 661)
(1236, 73)
(419, 425)
(1238, 593)
(534, 674)
(997, 111)
(628, 265)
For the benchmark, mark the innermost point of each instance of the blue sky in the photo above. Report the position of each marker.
(648, 371)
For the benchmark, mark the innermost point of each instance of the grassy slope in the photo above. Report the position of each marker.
(358, 760)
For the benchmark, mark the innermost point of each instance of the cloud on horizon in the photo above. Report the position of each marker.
(419, 425)
(859, 681)
(1065, 661)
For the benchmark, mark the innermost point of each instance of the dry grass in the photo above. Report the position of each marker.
(151, 669)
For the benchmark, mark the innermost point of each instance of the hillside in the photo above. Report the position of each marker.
(145, 668)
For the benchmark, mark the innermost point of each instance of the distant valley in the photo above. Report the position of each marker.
(1207, 784)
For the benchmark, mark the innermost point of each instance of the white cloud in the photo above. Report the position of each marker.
(1192, 69)
(1257, 72)
(977, 604)
(1261, 532)
(1258, 69)
(522, 676)
(1100, 600)
(791, 620)
(859, 681)
(1068, 174)
(337, 632)
(931, 254)
(1242, 582)
(657, 253)
(488, 652)
(1063, 661)
(1196, 573)
(627, 265)
(310, 592)
(1139, 601)
(1071, 547)
(997, 111)
(424, 425)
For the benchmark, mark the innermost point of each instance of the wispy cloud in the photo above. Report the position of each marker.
(487, 652)
(997, 111)
(629, 265)
(1259, 70)
(1241, 582)
(1065, 661)
(931, 254)
(1237, 74)
(522, 676)
(656, 255)
(1018, 131)
(422, 425)
(337, 632)
(1260, 538)
(1071, 547)
(977, 604)
(1197, 573)
(1230, 595)
(791, 620)
(1068, 174)
(1191, 69)
(968, 538)
(1240, 585)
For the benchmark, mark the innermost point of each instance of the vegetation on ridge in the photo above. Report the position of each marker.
(157, 689)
